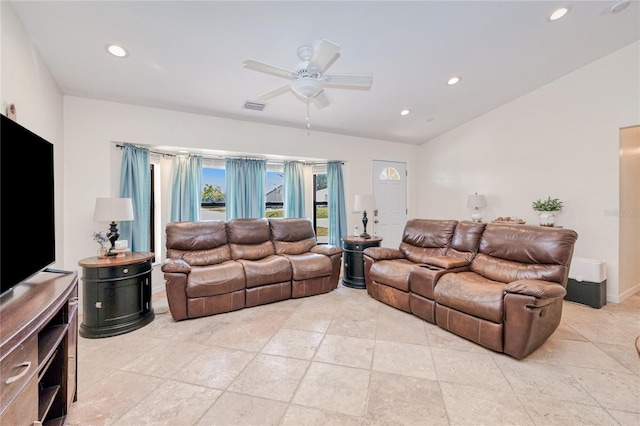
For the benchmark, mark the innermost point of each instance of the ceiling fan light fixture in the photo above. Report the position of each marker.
(306, 87)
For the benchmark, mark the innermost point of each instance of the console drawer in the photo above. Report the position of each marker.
(117, 272)
(17, 368)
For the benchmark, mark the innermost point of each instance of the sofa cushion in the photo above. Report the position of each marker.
(270, 270)
(252, 251)
(471, 294)
(250, 239)
(528, 244)
(309, 265)
(507, 271)
(393, 273)
(518, 252)
(446, 262)
(198, 243)
(424, 238)
(292, 235)
(466, 240)
(217, 279)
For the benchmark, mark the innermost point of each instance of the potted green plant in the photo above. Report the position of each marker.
(547, 209)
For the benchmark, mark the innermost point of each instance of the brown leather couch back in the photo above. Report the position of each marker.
(423, 238)
(512, 252)
(198, 243)
(250, 239)
(465, 240)
(292, 236)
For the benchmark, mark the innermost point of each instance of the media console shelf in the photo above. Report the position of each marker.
(38, 350)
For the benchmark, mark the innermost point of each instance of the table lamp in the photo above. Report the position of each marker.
(113, 210)
(363, 203)
(476, 202)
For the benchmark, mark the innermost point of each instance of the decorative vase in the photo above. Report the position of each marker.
(102, 252)
(547, 219)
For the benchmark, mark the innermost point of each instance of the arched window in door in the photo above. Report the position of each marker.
(389, 173)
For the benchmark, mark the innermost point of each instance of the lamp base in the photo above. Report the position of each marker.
(476, 217)
(364, 225)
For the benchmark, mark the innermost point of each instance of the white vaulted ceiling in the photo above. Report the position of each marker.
(188, 56)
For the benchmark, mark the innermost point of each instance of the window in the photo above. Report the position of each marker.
(214, 190)
(213, 202)
(275, 193)
(389, 173)
(320, 208)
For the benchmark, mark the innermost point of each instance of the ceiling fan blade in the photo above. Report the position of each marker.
(275, 92)
(269, 69)
(353, 80)
(323, 55)
(320, 100)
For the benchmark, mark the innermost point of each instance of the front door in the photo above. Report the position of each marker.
(390, 190)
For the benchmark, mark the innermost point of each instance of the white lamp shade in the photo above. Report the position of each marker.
(476, 201)
(113, 210)
(366, 202)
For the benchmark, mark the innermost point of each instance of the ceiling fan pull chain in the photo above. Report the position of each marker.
(308, 122)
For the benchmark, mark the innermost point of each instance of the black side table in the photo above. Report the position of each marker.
(353, 260)
(116, 294)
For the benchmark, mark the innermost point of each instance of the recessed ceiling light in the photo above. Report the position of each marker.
(116, 50)
(619, 6)
(454, 80)
(405, 112)
(558, 13)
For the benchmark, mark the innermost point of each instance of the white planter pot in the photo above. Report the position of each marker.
(547, 218)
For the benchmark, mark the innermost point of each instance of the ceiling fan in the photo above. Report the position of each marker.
(309, 78)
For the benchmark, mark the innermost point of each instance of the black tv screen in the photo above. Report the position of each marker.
(27, 210)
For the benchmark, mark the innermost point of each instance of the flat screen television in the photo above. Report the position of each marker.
(27, 210)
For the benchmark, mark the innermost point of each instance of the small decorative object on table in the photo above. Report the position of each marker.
(101, 238)
(548, 209)
(509, 219)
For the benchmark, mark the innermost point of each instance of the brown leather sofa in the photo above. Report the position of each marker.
(221, 266)
(498, 285)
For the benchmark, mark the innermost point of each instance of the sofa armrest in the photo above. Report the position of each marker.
(175, 265)
(383, 253)
(326, 249)
(536, 288)
(446, 262)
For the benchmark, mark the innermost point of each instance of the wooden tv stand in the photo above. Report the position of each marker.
(38, 349)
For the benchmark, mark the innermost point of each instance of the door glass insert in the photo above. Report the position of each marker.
(389, 173)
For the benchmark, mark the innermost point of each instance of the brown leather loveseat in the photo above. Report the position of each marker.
(499, 285)
(221, 266)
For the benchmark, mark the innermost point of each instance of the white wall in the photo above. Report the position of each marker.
(561, 140)
(93, 161)
(26, 82)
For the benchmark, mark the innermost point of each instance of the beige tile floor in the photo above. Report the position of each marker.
(345, 359)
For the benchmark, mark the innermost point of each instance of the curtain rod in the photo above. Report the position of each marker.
(219, 157)
(151, 151)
